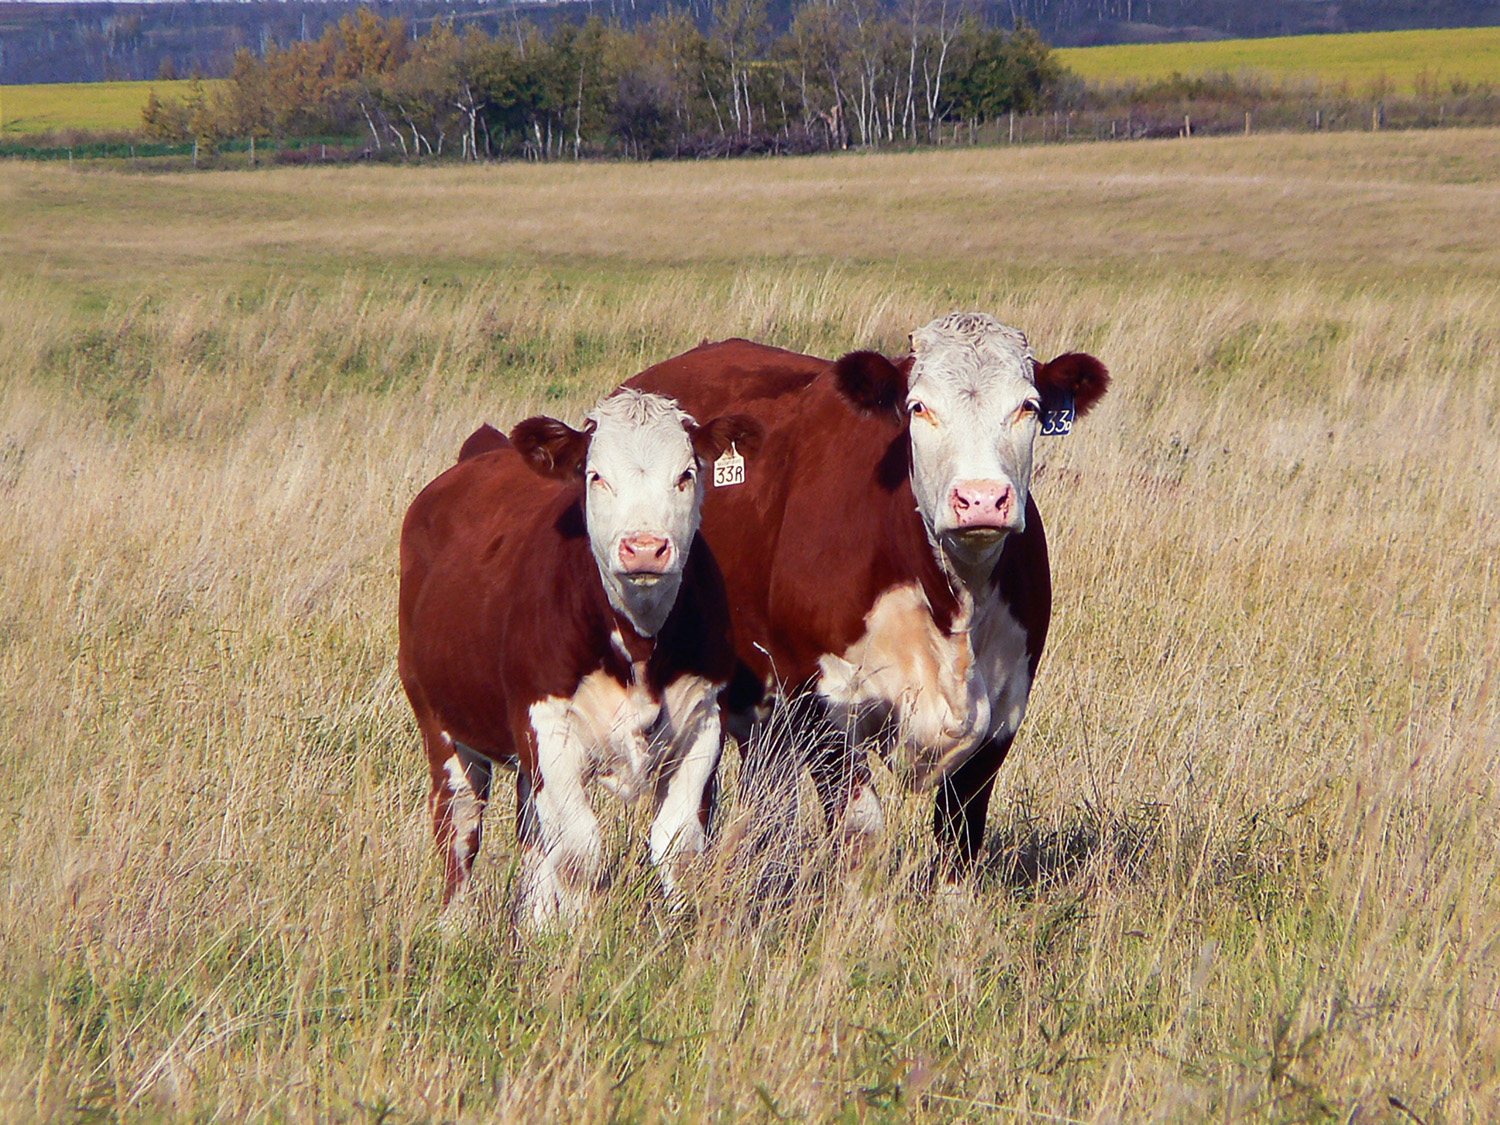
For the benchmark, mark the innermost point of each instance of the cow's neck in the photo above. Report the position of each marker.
(644, 607)
(634, 648)
(969, 574)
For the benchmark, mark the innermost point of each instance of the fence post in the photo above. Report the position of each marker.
(1187, 125)
(1247, 122)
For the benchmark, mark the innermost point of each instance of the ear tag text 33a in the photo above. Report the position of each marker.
(1057, 419)
(729, 469)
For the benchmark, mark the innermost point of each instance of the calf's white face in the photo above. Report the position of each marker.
(642, 460)
(643, 503)
(974, 412)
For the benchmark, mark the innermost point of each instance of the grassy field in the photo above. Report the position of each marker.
(1396, 61)
(1244, 864)
(91, 106)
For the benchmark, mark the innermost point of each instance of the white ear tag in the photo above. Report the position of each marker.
(1057, 421)
(729, 468)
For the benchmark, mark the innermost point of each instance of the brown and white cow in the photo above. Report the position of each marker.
(884, 557)
(559, 612)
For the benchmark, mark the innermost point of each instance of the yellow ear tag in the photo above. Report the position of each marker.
(729, 468)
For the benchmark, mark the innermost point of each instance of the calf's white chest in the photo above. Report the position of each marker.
(603, 732)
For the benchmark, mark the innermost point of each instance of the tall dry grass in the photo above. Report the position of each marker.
(1243, 864)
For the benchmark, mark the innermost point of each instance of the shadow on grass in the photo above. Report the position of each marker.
(1026, 852)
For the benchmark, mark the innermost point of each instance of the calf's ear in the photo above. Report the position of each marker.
(870, 381)
(552, 448)
(712, 438)
(1075, 375)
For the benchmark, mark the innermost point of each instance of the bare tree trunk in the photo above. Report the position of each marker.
(934, 90)
(371, 122)
(713, 102)
(908, 114)
(578, 118)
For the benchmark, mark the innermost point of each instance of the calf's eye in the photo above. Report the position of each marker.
(916, 407)
(685, 481)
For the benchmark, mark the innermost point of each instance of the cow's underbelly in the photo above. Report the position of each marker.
(928, 698)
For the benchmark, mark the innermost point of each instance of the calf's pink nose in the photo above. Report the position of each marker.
(645, 554)
(982, 503)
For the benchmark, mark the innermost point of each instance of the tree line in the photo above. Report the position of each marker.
(844, 73)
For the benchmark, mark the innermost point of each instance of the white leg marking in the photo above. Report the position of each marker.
(676, 835)
(465, 820)
(565, 867)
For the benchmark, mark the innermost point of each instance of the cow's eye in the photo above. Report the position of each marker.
(596, 479)
(1030, 409)
(916, 406)
(685, 481)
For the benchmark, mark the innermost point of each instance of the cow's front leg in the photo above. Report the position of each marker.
(560, 867)
(963, 801)
(685, 788)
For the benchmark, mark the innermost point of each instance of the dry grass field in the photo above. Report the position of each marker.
(1244, 863)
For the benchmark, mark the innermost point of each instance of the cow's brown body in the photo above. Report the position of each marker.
(824, 525)
(501, 607)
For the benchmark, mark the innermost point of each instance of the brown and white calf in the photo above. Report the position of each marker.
(559, 612)
(884, 557)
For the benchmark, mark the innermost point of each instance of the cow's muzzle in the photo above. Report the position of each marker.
(645, 559)
(983, 511)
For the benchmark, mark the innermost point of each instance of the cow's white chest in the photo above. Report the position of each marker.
(935, 694)
(1002, 671)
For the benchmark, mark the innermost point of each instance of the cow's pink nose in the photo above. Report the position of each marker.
(645, 554)
(982, 503)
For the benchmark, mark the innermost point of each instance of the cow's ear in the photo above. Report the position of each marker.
(484, 440)
(1075, 376)
(870, 381)
(711, 439)
(552, 448)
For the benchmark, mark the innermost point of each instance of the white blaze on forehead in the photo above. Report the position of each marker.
(971, 376)
(970, 350)
(640, 431)
(641, 479)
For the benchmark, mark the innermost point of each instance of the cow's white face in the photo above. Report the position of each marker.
(643, 502)
(974, 413)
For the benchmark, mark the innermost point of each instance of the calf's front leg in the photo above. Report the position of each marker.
(685, 787)
(560, 867)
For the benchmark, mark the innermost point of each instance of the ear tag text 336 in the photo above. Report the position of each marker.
(1057, 419)
(729, 468)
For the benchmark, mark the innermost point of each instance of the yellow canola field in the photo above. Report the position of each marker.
(81, 105)
(1400, 61)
